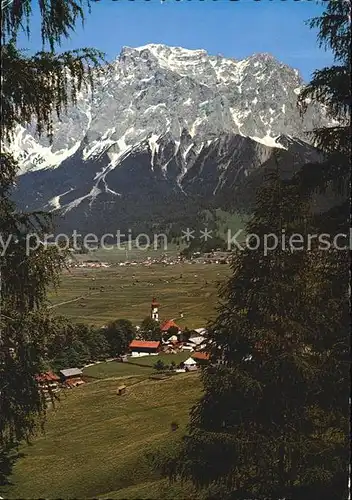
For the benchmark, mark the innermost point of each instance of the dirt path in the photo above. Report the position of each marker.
(73, 300)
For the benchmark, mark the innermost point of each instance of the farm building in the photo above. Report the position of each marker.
(169, 348)
(173, 338)
(71, 377)
(48, 381)
(121, 390)
(201, 331)
(123, 358)
(186, 347)
(190, 364)
(144, 347)
(166, 325)
(196, 341)
(201, 358)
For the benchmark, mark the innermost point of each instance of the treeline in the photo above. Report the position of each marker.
(77, 344)
(205, 245)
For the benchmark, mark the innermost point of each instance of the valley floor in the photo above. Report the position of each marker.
(97, 296)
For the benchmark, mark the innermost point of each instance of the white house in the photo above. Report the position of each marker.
(187, 348)
(196, 340)
(173, 338)
(201, 331)
(190, 364)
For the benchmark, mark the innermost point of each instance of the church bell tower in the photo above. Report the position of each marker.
(154, 311)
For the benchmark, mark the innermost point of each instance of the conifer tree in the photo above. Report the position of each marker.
(33, 90)
(273, 421)
(331, 87)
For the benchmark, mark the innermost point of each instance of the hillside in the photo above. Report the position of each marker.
(96, 442)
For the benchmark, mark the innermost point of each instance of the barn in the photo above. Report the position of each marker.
(201, 358)
(71, 377)
(144, 347)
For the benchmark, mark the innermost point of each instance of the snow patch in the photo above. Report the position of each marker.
(143, 91)
(32, 156)
(187, 151)
(147, 79)
(55, 202)
(98, 148)
(177, 146)
(193, 129)
(152, 108)
(154, 147)
(201, 146)
(74, 204)
(267, 140)
(236, 119)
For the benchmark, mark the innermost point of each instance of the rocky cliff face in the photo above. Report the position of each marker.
(166, 126)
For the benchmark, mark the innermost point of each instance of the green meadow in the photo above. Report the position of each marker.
(96, 442)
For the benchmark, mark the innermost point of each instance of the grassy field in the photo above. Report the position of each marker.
(165, 358)
(97, 296)
(96, 442)
(136, 366)
(116, 369)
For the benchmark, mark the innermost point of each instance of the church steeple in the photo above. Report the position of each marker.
(154, 310)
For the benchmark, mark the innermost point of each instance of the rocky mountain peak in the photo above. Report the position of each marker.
(166, 117)
(157, 89)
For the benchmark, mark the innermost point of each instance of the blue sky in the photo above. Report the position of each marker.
(231, 28)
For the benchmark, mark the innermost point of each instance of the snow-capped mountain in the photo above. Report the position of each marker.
(165, 123)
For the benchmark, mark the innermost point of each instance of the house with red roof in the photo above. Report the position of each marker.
(166, 325)
(48, 381)
(201, 358)
(144, 347)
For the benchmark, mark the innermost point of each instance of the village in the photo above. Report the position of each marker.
(193, 343)
(216, 257)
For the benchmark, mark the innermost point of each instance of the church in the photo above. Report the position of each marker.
(154, 314)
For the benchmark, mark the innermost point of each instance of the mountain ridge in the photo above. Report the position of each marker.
(183, 121)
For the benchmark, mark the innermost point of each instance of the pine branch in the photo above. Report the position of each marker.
(330, 87)
(58, 19)
(334, 28)
(37, 88)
